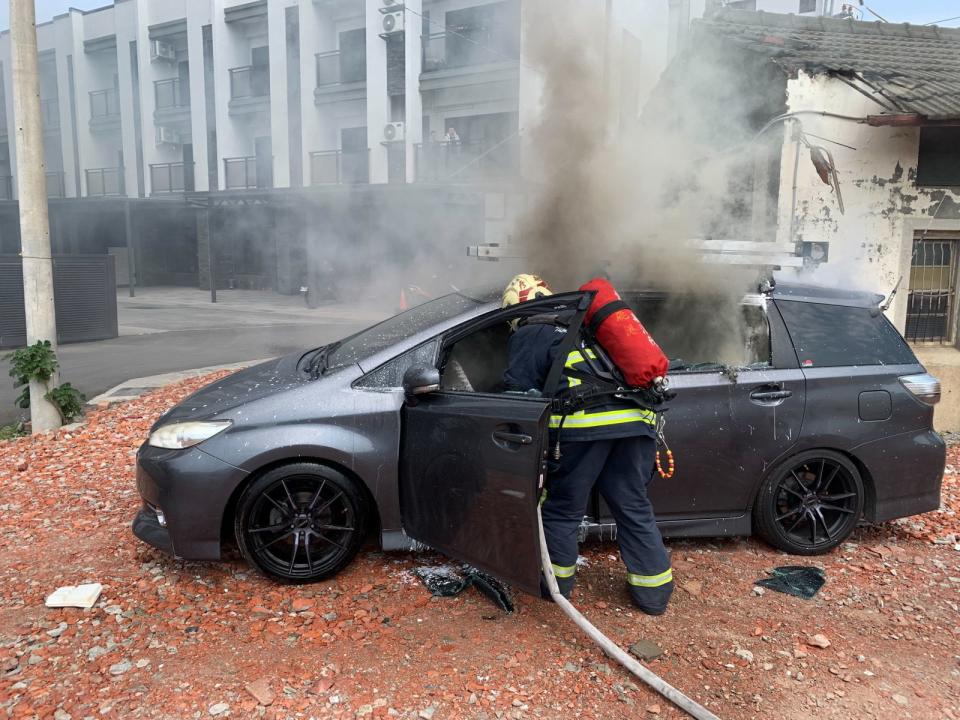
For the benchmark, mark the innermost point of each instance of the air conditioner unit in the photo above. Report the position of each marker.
(161, 50)
(167, 136)
(393, 132)
(393, 22)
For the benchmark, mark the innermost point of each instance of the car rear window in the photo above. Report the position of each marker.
(838, 335)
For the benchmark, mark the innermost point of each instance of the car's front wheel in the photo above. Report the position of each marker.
(810, 504)
(300, 523)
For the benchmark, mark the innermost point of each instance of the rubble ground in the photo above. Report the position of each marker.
(173, 639)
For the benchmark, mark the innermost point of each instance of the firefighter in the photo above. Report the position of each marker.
(612, 446)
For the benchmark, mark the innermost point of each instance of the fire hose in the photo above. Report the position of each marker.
(648, 677)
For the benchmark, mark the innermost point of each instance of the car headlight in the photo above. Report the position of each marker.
(177, 436)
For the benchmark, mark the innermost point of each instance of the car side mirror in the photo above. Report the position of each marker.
(420, 380)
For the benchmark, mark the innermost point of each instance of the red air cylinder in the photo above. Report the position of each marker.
(624, 338)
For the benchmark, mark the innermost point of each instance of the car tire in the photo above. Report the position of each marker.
(810, 503)
(300, 523)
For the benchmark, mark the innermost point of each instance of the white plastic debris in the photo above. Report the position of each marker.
(80, 596)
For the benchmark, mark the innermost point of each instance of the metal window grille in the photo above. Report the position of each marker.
(931, 299)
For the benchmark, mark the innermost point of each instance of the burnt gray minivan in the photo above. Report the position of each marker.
(799, 411)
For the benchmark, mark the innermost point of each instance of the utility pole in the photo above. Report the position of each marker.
(34, 216)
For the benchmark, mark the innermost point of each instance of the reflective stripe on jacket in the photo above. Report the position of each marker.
(530, 355)
(610, 419)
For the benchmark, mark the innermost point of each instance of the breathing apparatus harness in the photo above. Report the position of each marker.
(604, 382)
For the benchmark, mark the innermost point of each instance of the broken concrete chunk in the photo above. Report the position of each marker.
(260, 689)
(646, 650)
(80, 596)
(121, 667)
(58, 630)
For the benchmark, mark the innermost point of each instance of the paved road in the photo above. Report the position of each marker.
(179, 330)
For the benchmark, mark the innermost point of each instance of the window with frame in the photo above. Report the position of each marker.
(931, 296)
(938, 161)
(807, 6)
(353, 55)
(827, 335)
(477, 362)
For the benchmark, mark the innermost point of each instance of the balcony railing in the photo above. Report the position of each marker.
(251, 81)
(171, 94)
(50, 114)
(247, 173)
(467, 161)
(6, 187)
(56, 185)
(171, 177)
(104, 103)
(102, 182)
(449, 50)
(332, 70)
(337, 166)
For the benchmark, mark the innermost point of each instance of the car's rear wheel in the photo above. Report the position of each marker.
(810, 504)
(300, 523)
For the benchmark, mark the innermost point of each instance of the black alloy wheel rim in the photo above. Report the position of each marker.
(815, 503)
(301, 526)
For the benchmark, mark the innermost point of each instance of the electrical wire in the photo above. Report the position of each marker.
(864, 5)
(821, 113)
(818, 137)
(937, 22)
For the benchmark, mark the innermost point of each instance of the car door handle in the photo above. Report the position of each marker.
(770, 395)
(509, 437)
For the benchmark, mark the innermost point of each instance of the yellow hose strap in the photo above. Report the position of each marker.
(564, 571)
(650, 581)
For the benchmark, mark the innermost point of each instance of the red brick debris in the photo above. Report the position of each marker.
(172, 639)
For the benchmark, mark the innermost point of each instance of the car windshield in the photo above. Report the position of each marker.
(369, 342)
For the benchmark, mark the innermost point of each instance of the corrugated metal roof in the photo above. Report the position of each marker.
(910, 68)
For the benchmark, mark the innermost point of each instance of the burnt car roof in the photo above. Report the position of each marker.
(826, 295)
(804, 292)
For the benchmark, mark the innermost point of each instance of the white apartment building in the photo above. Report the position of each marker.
(150, 97)
(146, 97)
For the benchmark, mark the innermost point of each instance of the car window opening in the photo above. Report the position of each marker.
(477, 362)
(703, 333)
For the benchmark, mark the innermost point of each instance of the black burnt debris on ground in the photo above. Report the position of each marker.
(802, 581)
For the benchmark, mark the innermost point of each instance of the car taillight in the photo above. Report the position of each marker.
(925, 387)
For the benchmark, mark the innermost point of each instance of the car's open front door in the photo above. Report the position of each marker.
(471, 466)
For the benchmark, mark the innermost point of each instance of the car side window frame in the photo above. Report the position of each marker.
(784, 354)
(504, 315)
(781, 348)
(368, 382)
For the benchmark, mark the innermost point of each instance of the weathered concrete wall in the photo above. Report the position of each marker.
(870, 244)
(944, 363)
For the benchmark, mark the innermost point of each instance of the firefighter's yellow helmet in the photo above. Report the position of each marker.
(524, 287)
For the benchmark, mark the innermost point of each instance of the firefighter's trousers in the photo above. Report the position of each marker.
(621, 469)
